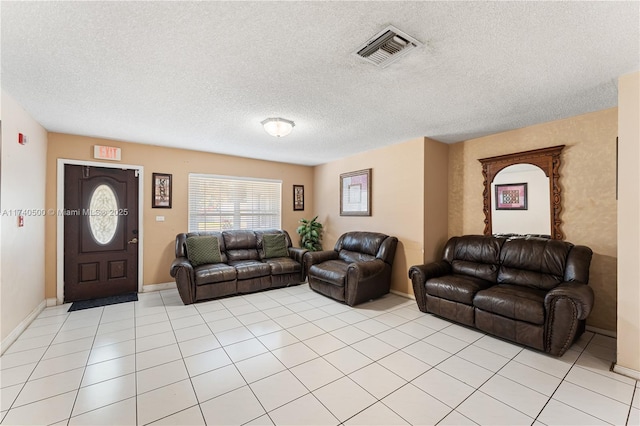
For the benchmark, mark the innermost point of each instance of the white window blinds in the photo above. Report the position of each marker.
(217, 203)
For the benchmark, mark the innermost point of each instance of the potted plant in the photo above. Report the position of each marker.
(310, 232)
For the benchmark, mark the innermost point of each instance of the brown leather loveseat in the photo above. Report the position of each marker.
(358, 269)
(243, 261)
(532, 291)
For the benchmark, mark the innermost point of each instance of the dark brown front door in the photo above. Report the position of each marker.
(100, 232)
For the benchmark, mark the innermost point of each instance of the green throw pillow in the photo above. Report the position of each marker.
(274, 245)
(204, 249)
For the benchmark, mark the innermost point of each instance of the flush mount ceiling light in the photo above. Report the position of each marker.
(278, 127)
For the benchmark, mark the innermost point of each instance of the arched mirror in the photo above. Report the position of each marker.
(514, 188)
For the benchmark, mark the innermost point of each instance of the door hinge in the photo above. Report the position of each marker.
(137, 173)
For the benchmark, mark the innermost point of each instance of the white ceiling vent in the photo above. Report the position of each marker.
(387, 46)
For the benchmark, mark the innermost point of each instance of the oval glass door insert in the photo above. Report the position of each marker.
(103, 217)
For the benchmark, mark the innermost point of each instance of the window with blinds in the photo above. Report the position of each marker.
(217, 203)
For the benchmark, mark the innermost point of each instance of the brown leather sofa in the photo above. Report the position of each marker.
(358, 269)
(243, 266)
(532, 291)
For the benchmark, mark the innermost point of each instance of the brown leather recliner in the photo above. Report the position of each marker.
(532, 291)
(358, 269)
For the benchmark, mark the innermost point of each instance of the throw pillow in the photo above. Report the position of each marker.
(203, 249)
(274, 245)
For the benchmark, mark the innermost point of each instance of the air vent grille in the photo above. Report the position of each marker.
(387, 46)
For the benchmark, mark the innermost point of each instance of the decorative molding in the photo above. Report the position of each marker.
(548, 159)
(52, 301)
(158, 287)
(13, 336)
(629, 372)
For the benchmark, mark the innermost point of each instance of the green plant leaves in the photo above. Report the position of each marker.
(310, 232)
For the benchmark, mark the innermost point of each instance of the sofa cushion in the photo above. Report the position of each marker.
(362, 242)
(536, 263)
(214, 273)
(247, 269)
(330, 271)
(274, 245)
(474, 255)
(283, 265)
(513, 301)
(203, 250)
(458, 288)
(354, 256)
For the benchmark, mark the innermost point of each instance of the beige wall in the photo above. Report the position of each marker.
(22, 187)
(159, 237)
(398, 202)
(587, 180)
(628, 325)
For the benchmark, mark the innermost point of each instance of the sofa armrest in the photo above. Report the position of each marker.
(314, 257)
(366, 280)
(580, 294)
(182, 271)
(566, 307)
(297, 254)
(419, 274)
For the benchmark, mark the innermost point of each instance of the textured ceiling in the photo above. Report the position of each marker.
(203, 75)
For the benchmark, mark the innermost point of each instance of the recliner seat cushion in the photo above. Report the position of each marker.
(214, 273)
(247, 269)
(331, 271)
(283, 265)
(512, 301)
(457, 288)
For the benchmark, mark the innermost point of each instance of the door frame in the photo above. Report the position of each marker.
(62, 162)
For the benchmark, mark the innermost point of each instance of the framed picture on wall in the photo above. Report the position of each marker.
(161, 191)
(355, 193)
(511, 196)
(298, 197)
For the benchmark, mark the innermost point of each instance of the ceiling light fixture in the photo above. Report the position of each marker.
(278, 127)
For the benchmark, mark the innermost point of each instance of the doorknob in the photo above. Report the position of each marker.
(133, 241)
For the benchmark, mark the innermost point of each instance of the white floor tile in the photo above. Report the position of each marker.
(291, 320)
(155, 341)
(116, 350)
(233, 408)
(61, 349)
(485, 410)
(216, 315)
(306, 331)
(252, 318)
(445, 342)
(224, 324)
(233, 335)
(111, 369)
(483, 358)
(17, 359)
(157, 356)
(404, 365)
(59, 364)
(324, 344)
(36, 390)
(344, 398)
(348, 360)
(161, 375)
(322, 319)
(259, 367)
(515, 395)
(592, 403)
(16, 375)
(189, 333)
(465, 371)
(396, 338)
(443, 387)
(44, 412)
(245, 349)
(198, 345)
(190, 417)
(121, 413)
(278, 389)
(372, 327)
(165, 401)
(377, 380)
(531, 377)
(8, 396)
(206, 361)
(153, 329)
(264, 327)
(217, 382)
(306, 410)
(316, 373)
(556, 413)
(614, 389)
(295, 354)
(456, 419)
(350, 334)
(415, 406)
(114, 337)
(24, 344)
(427, 353)
(546, 363)
(105, 393)
(278, 339)
(377, 414)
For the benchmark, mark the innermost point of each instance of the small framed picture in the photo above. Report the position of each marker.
(511, 196)
(161, 191)
(298, 197)
(355, 193)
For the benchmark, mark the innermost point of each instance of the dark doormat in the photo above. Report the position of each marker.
(103, 301)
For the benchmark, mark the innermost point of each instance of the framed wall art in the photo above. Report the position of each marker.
(161, 191)
(511, 196)
(355, 193)
(298, 197)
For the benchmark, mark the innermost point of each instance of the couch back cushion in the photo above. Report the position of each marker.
(241, 245)
(203, 250)
(181, 243)
(474, 255)
(271, 234)
(533, 262)
(359, 246)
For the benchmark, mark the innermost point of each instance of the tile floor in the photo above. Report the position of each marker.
(293, 357)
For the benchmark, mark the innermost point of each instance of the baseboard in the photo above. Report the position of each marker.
(634, 374)
(52, 301)
(13, 336)
(602, 331)
(158, 287)
(408, 296)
